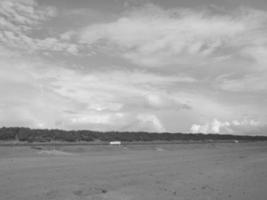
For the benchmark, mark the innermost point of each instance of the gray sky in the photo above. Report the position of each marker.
(131, 65)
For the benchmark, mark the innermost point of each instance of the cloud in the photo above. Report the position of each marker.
(19, 19)
(152, 36)
(41, 94)
(248, 83)
(106, 121)
(46, 87)
(245, 126)
(258, 52)
(148, 122)
(97, 118)
(25, 100)
(213, 127)
(112, 85)
(22, 15)
(163, 101)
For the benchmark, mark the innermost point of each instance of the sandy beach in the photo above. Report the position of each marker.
(135, 172)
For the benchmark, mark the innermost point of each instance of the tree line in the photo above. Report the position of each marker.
(47, 135)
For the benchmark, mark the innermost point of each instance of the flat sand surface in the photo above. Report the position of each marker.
(136, 172)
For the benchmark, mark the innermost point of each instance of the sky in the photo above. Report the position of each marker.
(134, 65)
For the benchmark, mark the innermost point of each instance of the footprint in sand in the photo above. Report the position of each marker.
(116, 195)
(84, 192)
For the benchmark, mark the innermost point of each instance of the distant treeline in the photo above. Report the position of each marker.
(45, 135)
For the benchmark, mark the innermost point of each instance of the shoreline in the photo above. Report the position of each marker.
(14, 143)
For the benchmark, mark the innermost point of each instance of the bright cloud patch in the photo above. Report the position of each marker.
(235, 126)
(154, 37)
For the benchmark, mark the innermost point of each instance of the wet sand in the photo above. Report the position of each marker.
(137, 172)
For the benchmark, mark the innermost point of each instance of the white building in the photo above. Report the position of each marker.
(115, 142)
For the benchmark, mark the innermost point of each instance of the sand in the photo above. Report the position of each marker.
(140, 172)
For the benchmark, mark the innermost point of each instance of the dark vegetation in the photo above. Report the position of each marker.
(45, 135)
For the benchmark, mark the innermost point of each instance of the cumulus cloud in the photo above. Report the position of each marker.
(245, 126)
(152, 36)
(214, 127)
(149, 122)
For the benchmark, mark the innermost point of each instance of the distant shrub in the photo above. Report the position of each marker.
(45, 135)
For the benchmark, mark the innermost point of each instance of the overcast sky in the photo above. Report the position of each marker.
(131, 65)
